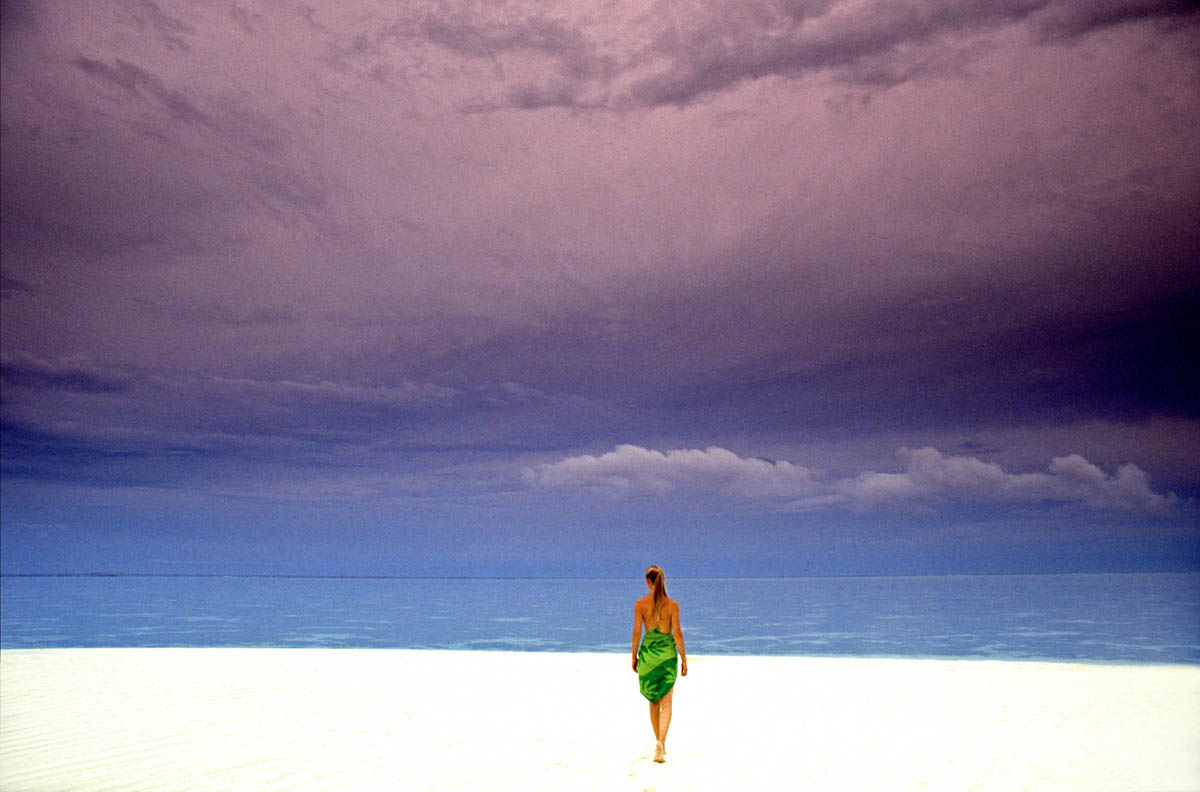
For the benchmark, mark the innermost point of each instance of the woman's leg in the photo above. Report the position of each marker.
(654, 718)
(664, 717)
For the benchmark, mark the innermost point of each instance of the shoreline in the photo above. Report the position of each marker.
(1040, 659)
(323, 718)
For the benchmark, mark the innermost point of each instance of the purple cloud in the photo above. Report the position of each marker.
(23, 370)
(678, 56)
(413, 251)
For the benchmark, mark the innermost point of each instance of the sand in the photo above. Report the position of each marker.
(316, 719)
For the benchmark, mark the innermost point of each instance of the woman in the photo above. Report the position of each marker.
(655, 661)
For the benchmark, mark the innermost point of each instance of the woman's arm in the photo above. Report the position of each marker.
(678, 631)
(637, 633)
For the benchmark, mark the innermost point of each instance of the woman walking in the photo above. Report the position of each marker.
(661, 647)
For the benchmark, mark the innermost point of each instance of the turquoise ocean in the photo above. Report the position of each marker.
(1141, 618)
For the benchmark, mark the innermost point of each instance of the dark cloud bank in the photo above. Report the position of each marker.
(538, 277)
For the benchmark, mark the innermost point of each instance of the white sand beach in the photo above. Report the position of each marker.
(334, 719)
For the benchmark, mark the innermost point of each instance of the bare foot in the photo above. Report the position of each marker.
(659, 750)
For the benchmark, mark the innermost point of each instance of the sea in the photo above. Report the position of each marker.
(1124, 618)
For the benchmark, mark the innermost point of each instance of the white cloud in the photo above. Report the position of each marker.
(1128, 490)
(932, 479)
(633, 469)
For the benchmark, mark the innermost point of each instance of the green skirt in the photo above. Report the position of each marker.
(657, 660)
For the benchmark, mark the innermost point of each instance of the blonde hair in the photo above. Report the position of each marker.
(656, 578)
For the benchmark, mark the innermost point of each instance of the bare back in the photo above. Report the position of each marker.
(668, 614)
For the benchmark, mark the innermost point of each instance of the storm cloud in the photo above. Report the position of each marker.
(462, 259)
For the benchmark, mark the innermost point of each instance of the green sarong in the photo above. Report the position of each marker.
(657, 661)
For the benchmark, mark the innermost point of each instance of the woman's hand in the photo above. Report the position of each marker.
(683, 666)
(635, 664)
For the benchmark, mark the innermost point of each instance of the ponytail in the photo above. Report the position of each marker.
(656, 578)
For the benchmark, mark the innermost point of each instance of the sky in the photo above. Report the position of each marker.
(803, 287)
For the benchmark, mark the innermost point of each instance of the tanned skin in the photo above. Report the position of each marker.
(668, 621)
